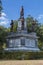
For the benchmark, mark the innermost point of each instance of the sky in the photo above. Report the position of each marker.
(11, 10)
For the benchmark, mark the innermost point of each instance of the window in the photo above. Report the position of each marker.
(10, 43)
(17, 42)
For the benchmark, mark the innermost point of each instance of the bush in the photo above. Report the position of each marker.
(18, 55)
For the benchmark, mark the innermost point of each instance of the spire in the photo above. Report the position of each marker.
(22, 17)
(0, 7)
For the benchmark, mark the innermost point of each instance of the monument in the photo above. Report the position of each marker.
(21, 40)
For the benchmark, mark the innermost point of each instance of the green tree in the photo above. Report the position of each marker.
(15, 26)
(41, 36)
(1, 8)
(32, 23)
(3, 34)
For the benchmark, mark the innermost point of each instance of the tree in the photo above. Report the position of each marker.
(15, 26)
(41, 36)
(1, 8)
(3, 34)
(32, 24)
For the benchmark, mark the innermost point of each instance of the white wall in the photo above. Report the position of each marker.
(17, 43)
(29, 42)
(11, 42)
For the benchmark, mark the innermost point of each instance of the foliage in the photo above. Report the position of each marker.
(20, 55)
(32, 24)
(15, 26)
(40, 34)
(3, 34)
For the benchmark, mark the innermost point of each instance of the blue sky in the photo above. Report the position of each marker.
(11, 9)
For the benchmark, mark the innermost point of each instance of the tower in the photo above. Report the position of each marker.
(0, 7)
(22, 17)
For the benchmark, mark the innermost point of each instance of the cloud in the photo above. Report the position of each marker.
(4, 21)
(40, 16)
(2, 18)
(3, 14)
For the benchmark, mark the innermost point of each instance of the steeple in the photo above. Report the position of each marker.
(0, 7)
(22, 17)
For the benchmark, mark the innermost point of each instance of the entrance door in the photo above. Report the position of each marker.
(22, 41)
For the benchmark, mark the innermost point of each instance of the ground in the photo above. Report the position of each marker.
(21, 62)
